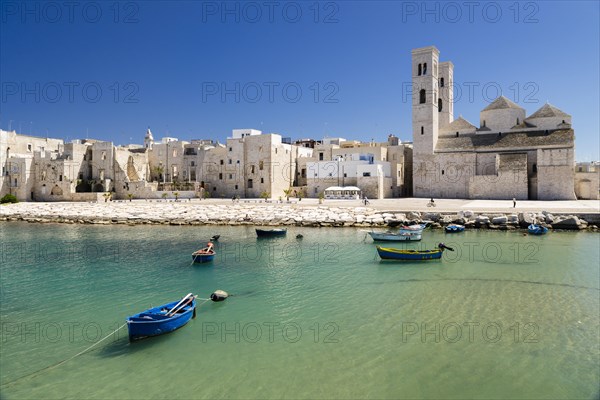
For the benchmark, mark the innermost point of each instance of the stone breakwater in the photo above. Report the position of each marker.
(274, 214)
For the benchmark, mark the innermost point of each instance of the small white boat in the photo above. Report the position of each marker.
(395, 236)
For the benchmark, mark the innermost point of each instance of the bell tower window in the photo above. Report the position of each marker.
(439, 105)
(422, 96)
(424, 68)
(419, 72)
(422, 130)
(441, 82)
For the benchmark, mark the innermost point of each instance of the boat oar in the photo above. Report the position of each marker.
(177, 309)
(181, 301)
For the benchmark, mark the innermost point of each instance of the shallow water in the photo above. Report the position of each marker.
(503, 316)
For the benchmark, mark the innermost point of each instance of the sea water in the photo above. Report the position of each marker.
(503, 316)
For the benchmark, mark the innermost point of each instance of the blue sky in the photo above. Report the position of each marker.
(192, 69)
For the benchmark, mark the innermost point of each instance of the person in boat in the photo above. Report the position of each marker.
(208, 248)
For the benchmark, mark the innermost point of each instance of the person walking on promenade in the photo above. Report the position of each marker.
(514, 202)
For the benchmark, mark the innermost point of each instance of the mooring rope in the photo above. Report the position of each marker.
(34, 373)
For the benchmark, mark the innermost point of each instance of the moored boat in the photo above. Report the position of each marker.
(388, 253)
(204, 255)
(454, 228)
(535, 229)
(271, 232)
(162, 319)
(396, 236)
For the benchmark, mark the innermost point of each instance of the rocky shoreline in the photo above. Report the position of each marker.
(276, 214)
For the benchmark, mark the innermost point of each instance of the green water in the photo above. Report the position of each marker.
(504, 316)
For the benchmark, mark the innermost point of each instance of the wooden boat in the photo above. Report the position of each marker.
(388, 253)
(395, 236)
(453, 228)
(162, 319)
(204, 255)
(271, 232)
(534, 229)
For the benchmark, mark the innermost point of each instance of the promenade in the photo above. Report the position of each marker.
(305, 212)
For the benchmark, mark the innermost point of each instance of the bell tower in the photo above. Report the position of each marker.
(425, 95)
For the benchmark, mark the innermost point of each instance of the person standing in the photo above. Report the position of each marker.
(514, 202)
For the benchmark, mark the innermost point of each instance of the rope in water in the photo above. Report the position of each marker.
(34, 373)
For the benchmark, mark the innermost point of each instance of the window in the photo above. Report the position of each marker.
(303, 174)
(419, 72)
(483, 123)
(424, 68)
(439, 105)
(230, 176)
(249, 183)
(220, 175)
(214, 188)
(456, 134)
(231, 149)
(222, 162)
(534, 168)
(60, 178)
(262, 180)
(441, 82)
(422, 96)
(81, 175)
(229, 161)
(422, 130)
(345, 175)
(103, 155)
(260, 165)
(29, 147)
(237, 162)
(275, 150)
(517, 121)
(320, 156)
(193, 163)
(442, 172)
(366, 174)
(252, 169)
(236, 187)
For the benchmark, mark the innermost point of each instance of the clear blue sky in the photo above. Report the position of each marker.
(194, 69)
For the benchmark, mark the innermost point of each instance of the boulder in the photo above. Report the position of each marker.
(482, 219)
(526, 219)
(414, 215)
(431, 216)
(500, 220)
(571, 222)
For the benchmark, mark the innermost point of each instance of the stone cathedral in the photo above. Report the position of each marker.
(508, 155)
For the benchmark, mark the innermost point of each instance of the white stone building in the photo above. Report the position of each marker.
(508, 155)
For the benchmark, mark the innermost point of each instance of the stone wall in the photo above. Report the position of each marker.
(587, 185)
(556, 178)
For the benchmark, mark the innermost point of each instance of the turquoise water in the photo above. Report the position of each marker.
(504, 316)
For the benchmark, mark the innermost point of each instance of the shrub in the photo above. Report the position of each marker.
(9, 198)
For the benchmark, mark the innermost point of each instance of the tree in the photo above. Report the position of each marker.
(265, 195)
(164, 196)
(106, 196)
(130, 196)
(159, 170)
(176, 194)
(287, 192)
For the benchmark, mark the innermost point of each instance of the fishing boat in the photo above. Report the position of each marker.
(395, 236)
(534, 229)
(162, 319)
(388, 253)
(453, 228)
(270, 232)
(204, 255)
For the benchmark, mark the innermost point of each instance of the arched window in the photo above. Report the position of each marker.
(419, 73)
(483, 123)
(424, 68)
(456, 134)
(441, 82)
(534, 168)
(439, 105)
(422, 96)
(517, 121)
(422, 130)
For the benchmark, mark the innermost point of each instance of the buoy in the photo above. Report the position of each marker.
(219, 295)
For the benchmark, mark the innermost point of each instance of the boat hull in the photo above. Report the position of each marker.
(537, 229)
(271, 232)
(454, 228)
(155, 322)
(203, 258)
(395, 237)
(387, 253)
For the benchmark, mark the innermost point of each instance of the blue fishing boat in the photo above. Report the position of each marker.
(270, 232)
(388, 253)
(534, 229)
(204, 255)
(453, 228)
(162, 319)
